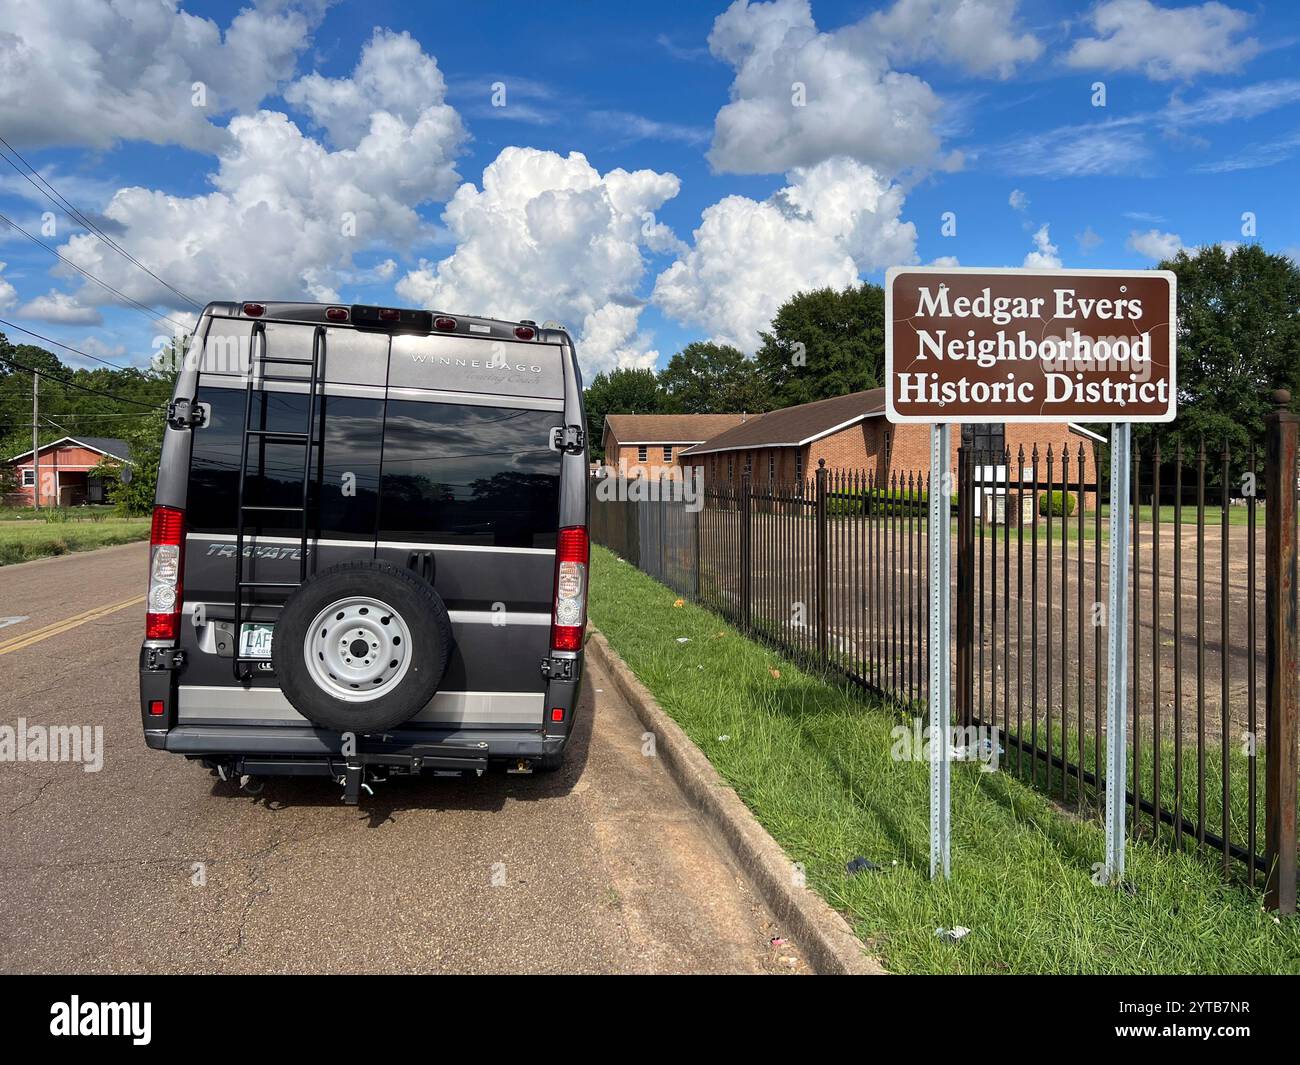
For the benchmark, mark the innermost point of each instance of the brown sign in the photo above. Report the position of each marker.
(968, 345)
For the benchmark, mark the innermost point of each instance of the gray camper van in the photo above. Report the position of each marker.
(369, 545)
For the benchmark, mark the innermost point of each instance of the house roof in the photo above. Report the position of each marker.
(795, 426)
(670, 428)
(110, 446)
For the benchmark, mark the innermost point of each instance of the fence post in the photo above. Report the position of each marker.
(746, 545)
(1280, 713)
(823, 569)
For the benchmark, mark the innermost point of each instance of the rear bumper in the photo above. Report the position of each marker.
(307, 743)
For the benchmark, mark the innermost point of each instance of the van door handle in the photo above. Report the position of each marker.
(423, 563)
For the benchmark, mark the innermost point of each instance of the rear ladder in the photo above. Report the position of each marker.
(258, 360)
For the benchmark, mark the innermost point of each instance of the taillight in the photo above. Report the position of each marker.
(166, 540)
(525, 332)
(571, 553)
(336, 314)
(254, 310)
(444, 324)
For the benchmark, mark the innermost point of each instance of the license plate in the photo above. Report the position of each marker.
(255, 640)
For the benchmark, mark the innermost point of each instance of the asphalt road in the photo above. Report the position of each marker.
(153, 865)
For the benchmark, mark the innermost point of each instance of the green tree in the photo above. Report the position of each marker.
(135, 495)
(1238, 339)
(622, 391)
(825, 343)
(708, 378)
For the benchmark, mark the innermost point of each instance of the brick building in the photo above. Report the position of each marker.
(639, 444)
(64, 469)
(851, 433)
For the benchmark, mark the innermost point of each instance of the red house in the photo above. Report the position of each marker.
(63, 468)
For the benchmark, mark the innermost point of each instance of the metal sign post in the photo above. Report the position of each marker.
(940, 666)
(1117, 653)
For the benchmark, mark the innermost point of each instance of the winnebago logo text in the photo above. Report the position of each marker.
(494, 363)
(75, 1017)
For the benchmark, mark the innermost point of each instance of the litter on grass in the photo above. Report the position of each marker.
(954, 934)
(862, 865)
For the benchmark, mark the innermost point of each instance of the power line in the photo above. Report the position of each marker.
(80, 388)
(86, 273)
(69, 347)
(59, 200)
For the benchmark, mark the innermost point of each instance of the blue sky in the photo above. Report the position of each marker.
(905, 117)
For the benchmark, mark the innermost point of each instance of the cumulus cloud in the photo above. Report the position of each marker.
(1165, 43)
(801, 96)
(1153, 244)
(394, 79)
(549, 236)
(8, 294)
(748, 257)
(855, 105)
(1018, 200)
(980, 36)
(86, 73)
(287, 213)
(1044, 256)
(59, 308)
(945, 260)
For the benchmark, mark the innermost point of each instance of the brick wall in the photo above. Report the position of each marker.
(867, 445)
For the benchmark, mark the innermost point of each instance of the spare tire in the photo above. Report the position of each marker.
(362, 646)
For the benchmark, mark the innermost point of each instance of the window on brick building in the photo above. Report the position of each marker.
(984, 437)
(771, 465)
(668, 453)
(29, 478)
(642, 454)
(798, 466)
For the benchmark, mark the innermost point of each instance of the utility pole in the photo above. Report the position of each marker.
(36, 454)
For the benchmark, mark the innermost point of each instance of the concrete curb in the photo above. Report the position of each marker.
(823, 936)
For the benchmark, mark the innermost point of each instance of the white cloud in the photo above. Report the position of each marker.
(1153, 244)
(60, 308)
(1044, 256)
(1165, 43)
(1018, 200)
(856, 105)
(548, 236)
(978, 35)
(1113, 147)
(394, 78)
(945, 260)
(86, 73)
(830, 222)
(8, 294)
(801, 96)
(286, 214)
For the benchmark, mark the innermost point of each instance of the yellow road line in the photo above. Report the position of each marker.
(26, 639)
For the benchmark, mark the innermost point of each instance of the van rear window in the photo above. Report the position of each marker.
(345, 480)
(463, 474)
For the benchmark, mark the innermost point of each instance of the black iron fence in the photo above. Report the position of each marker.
(833, 571)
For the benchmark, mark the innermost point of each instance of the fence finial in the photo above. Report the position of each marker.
(1281, 398)
(821, 464)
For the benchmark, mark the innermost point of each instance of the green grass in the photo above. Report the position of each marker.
(813, 761)
(22, 541)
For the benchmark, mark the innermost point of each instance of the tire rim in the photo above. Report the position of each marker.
(358, 649)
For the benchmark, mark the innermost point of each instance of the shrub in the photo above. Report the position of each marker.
(1059, 503)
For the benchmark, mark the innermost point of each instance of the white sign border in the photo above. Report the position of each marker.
(895, 418)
